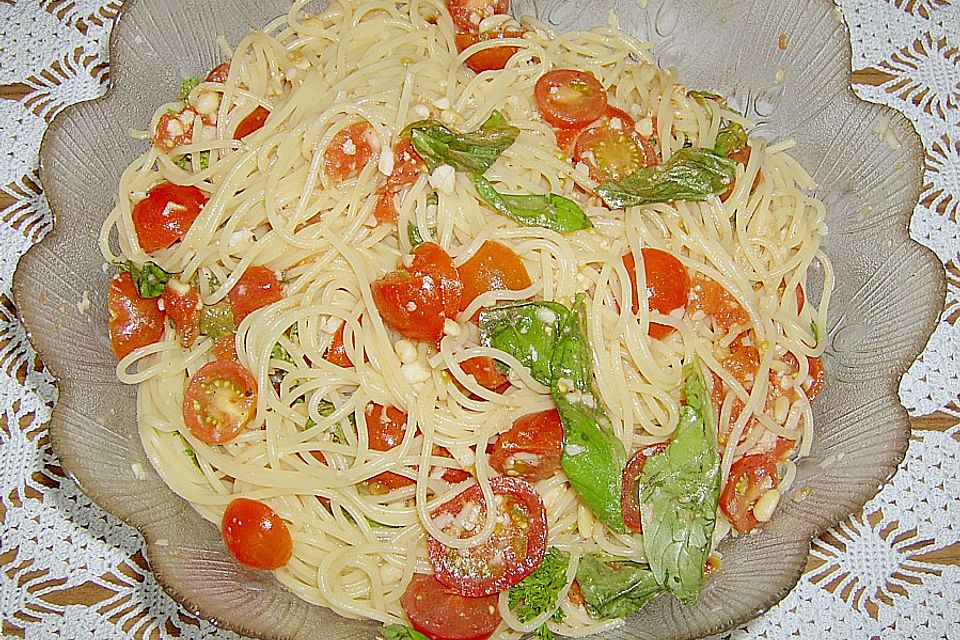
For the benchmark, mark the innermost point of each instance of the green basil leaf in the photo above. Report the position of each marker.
(679, 490)
(815, 330)
(614, 587)
(538, 592)
(730, 138)
(186, 161)
(472, 152)
(217, 320)
(400, 632)
(413, 234)
(188, 85)
(691, 173)
(525, 330)
(550, 211)
(593, 457)
(149, 280)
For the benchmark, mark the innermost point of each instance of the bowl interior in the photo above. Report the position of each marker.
(874, 332)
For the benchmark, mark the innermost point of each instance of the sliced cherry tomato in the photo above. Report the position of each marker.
(750, 477)
(219, 73)
(783, 449)
(258, 287)
(569, 98)
(531, 448)
(613, 154)
(134, 321)
(467, 14)
(385, 429)
(251, 123)
(181, 302)
(451, 475)
(494, 267)
(566, 139)
(710, 298)
(220, 401)
(175, 129)
(485, 371)
(814, 384)
(740, 155)
(667, 286)
(166, 214)
(225, 348)
(630, 489)
(743, 362)
(407, 167)
(512, 552)
(416, 300)
(440, 613)
(336, 353)
(492, 59)
(255, 534)
(349, 152)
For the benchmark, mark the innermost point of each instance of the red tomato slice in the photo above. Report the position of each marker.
(630, 490)
(251, 123)
(407, 167)
(451, 475)
(485, 371)
(255, 534)
(814, 384)
(667, 285)
(531, 448)
(349, 151)
(258, 287)
(219, 73)
(569, 98)
(750, 477)
(613, 154)
(336, 353)
(512, 552)
(467, 14)
(385, 429)
(430, 259)
(440, 613)
(225, 348)
(174, 129)
(494, 267)
(783, 449)
(181, 302)
(166, 214)
(710, 298)
(220, 401)
(492, 59)
(134, 321)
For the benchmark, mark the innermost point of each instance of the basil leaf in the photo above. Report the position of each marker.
(690, 174)
(550, 211)
(188, 85)
(730, 138)
(593, 458)
(525, 330)
(400, 632)
(815, 330)
(472, 152)
(413, 234)
(186, 161)
(538, 592)
(149, 280)
(217, 320)
(679, 490)
(614, 587)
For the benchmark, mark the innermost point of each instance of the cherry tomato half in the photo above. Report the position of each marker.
(494, 267)
(569, 98)
(258, 287)
(492, 59)
(336, 353)
(512, 552)
(349, 151)
(181, 302)
(485, 371)
(613, 153)
(385, 429)
(134, 321)
(532, 447)
(440, 613)
(467, 14)
(166, 214)
(407, 167)
(667, 285)
(630, 489)
(710, 298)
(220, 401)
(814, 384)
(255, 535)
(219, 73)
(251, 123)
(750, 477)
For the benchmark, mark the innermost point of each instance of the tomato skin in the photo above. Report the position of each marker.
(253, 122)
(166, 214)
(219, 73)
(613, 154)
(750, 477)
(220, 401)
(494, 267)
(182, 305)
(512, 552)
(255, 535)
(630, 492)
(348, 152)
(467, 14)
(134, 321)
(710, 298)
(569, 98)
(385, 429)
(430, 259)
(817, 375)
(441, 613)
(336, 353)
(484, 370)
(492, 59)
(668, 286)
(531, 449)
(408, 164)
(258, 287)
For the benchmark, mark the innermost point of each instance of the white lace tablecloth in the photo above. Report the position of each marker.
(69, 570)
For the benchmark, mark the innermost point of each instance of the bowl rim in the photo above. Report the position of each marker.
(109, 503)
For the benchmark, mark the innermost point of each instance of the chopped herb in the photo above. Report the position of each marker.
(538, 592)
(189, 452)
(203, 161)
(188, 85)
(413, 234)
(400, 632)
(815, 330)
(150, 280)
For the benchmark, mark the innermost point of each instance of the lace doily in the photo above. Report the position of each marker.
(67, 569)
